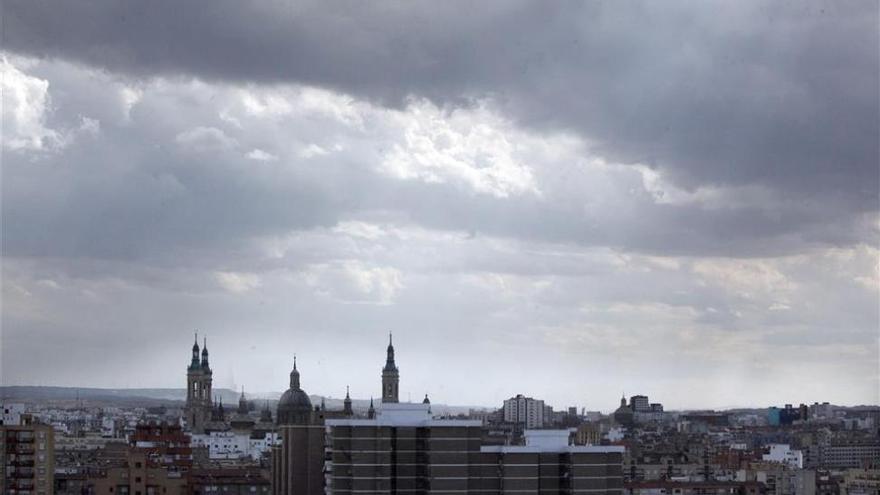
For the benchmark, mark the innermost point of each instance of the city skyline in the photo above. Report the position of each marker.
(679, 201)
(407, 396)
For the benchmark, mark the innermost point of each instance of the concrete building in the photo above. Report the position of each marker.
(860, 482)
(401, 450)
(241, 481)
(639, 403)
(782, 480)
(821, 412)
(12, 413)
(236, 445)
(665, 487)
(588, 434)
(547, 464)
(27, 458)
(404, 450)
(139, 475)
(784, 454)
(850, 454)
(525, 411)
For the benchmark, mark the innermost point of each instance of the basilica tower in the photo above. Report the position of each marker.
(198, 389)
(390, 377)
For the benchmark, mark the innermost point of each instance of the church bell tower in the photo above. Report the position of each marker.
(390, 377)
(198, 389)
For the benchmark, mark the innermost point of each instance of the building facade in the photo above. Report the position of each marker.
(525, 411)
(639, 403)
(27, 458)
(139, 475)
(404, 450)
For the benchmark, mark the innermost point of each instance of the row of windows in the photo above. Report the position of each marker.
(484, 465)
(474, 490)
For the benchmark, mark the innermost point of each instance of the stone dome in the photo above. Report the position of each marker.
(294, 406)
(295, 400)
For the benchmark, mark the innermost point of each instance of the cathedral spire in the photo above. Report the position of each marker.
(242, 403)
(390, 375)
(294, 376)
(205, 353)
(195, 353)
(389, 360)
(346, 404)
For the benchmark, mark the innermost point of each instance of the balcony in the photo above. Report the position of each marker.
(21, 472)
(22, 484)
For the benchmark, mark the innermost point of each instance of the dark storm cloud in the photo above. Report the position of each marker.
(168, 182)
(782, 94)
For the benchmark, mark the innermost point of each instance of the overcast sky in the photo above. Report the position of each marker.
(565, 200)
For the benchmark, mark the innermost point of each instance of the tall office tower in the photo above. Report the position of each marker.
(27, 458)
(639, 403)
(198, 389)
(390, 377)
(298, 463)
(524, 411)
(404, 450)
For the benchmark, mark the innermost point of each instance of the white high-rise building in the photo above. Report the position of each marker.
(524, 410)
(784, 454)
(11, 414)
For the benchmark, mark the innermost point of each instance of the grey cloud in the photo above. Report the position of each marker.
(138, 191)
(780, 94)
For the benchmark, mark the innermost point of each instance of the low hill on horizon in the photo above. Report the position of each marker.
(172, 397)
